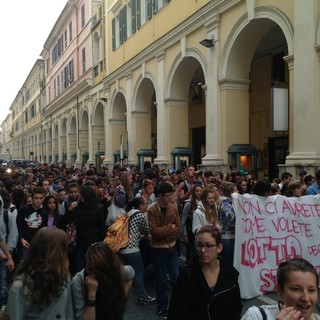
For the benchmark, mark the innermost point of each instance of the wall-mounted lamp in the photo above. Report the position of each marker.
(104, 99)
(208, 43)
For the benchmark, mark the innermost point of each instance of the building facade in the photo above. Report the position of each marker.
(212, 83)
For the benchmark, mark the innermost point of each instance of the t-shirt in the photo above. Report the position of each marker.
(20, 308)
(271, 311)
(29, 221)
(79, 289)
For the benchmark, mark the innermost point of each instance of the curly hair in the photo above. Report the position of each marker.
(45, 268)
(106, 267)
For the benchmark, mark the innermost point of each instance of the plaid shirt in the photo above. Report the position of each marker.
(138, 227)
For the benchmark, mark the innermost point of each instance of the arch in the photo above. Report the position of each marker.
(118, 105)
(84, 120)
(265, 19)
(141, 99)
(181, 72)
(98, 113)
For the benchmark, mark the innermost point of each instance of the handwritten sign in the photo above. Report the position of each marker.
(270, 230)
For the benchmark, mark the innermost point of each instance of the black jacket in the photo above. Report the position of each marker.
(192, 299)
(89, 223)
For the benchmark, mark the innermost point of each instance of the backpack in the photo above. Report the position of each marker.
(118, 233)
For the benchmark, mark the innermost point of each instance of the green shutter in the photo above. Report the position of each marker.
(155, 6)
(138, 14)
(124, 22)
(121, 26)
(133, 15)
(113, 34)
(149, 9)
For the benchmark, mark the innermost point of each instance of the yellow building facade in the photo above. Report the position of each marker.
(212, 83)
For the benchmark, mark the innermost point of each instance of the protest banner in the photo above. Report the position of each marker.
(270, 230)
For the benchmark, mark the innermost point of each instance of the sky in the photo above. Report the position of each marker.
(24, 28)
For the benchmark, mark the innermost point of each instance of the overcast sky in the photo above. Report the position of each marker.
(24, 27)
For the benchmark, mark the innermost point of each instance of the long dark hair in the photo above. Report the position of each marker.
(106, 267)
(89, 197)
(45, 268)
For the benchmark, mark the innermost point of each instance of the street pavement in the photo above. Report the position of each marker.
(150, 312)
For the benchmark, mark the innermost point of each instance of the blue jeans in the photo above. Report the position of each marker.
(165, 261)
(135, 261)
(4, 282)
(80, 260)
(228, 249)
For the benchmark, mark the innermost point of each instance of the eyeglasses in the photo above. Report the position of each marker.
(206, 246)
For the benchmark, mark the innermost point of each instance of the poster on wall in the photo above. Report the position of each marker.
(270, 230)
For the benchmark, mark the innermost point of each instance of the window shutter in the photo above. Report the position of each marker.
(133, 15)
(113, 34)
(149, 9)
(138, 14)
(155, 6)
(124, 23)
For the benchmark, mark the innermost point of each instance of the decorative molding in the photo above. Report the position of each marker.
(234, 84)
(251, 4)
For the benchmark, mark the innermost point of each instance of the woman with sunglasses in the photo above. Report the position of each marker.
(297, 285)
(209, 288)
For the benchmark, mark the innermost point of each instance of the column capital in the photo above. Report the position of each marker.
(290, 61)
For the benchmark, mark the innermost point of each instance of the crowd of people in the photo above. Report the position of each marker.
(56, 265)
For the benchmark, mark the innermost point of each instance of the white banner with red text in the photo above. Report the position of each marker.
(270, 230)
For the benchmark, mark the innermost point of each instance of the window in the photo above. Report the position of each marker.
(58, 85)
(83, 20)
(33, 111)
(70, 31)
(62, 81)
(123, 24)
(65, 38)
(67, 75)
(54, 87)
(57, 50)
(83, 60)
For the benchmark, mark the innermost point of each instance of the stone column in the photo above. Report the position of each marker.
(162, 132)
(212, 93)
(305, 148)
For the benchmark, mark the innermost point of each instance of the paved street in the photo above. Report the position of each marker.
(150, 312)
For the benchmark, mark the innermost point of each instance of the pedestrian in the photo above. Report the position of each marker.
(131, 255)
(206, 212)
(30, 219)
(100, 290)
(165, 228)
(41, 284)
(297, 285)
(209, 288)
